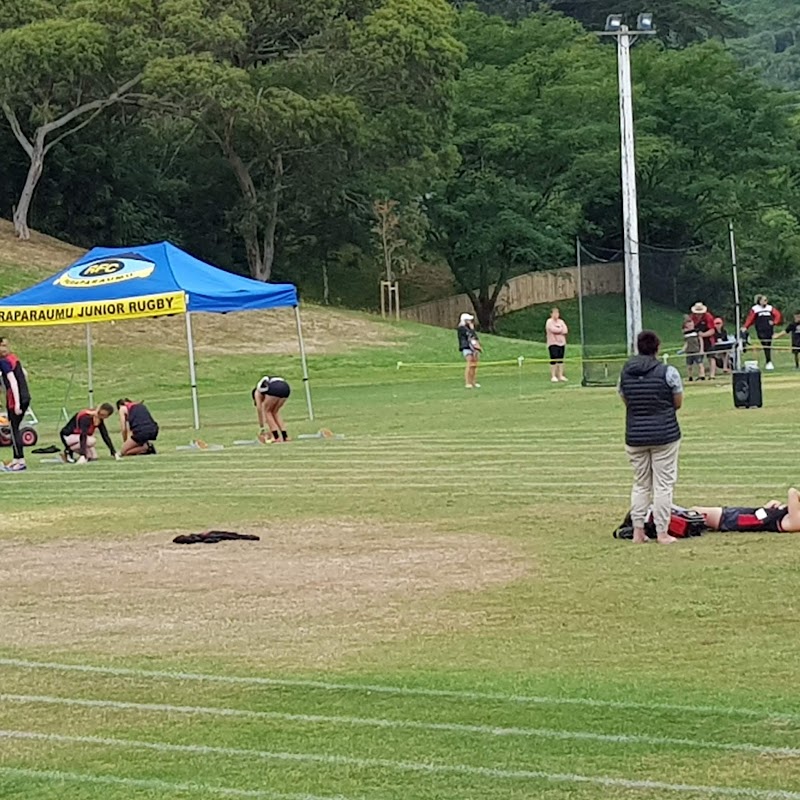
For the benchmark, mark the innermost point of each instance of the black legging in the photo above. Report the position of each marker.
(766, 344)
(14, 421)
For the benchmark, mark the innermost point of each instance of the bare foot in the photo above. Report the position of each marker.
(665, 538)
(639, 536)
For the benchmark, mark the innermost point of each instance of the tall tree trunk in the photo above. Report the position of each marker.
(326, 289)
(259, 238)
(22, 209)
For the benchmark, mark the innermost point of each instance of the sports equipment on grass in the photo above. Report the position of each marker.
(199, 444)
(323, 433)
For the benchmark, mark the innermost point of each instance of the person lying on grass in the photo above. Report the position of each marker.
(78, 434)
(269, 397)
(773, 517)
(138, 428)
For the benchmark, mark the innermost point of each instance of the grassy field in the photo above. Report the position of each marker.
(436, 609)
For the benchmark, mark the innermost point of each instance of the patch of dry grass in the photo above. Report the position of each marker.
(41, 252)
(270, 332)
(306, 594)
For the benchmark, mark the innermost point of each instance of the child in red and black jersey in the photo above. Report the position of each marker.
(78, 434)
(18, 398)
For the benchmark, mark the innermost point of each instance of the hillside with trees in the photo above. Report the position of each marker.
(454, 145)
(771, 39)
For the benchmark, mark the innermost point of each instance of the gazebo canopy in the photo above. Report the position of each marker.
(151, 280)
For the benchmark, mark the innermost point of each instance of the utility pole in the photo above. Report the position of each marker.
(630, 209)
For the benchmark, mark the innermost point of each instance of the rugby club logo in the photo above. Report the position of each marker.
(103, 271)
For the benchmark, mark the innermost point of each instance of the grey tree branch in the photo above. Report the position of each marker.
(16, 128)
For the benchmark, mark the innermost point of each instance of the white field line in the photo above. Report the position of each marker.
(392, 724)
(428, 768)
(155, 785)
(402, 691)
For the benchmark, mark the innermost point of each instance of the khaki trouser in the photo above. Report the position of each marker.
(655, 472)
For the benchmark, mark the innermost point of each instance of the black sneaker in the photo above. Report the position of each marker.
(69, 457)
(151, 449)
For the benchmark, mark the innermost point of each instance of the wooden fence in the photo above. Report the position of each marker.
(532, 288)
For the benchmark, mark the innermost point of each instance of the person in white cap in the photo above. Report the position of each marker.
(470, 348)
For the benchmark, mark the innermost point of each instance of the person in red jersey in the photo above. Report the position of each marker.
(78, 434)
(765, 317)
(14, 382)
(772, 517)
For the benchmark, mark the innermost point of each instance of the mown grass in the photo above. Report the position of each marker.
(668, 668)
(707, 623)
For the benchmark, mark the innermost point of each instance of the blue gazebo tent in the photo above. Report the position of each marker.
(115, 283)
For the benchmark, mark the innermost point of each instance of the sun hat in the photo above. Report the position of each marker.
(699, 308)
(465, 318)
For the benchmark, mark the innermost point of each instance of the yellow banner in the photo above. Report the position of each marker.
(152, 305)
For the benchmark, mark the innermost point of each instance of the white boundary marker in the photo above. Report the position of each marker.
(403, 691)
(155, 785)
(400, 724)
(410, 766)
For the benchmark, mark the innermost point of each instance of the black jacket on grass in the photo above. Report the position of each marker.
(651, 419)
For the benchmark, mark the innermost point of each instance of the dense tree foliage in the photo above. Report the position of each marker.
(532, 129)
(277, 137)
(771, 39)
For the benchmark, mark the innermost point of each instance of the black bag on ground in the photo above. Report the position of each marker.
(213, 537)
(683, 524)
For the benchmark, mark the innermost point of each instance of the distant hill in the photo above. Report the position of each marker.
(773, 45)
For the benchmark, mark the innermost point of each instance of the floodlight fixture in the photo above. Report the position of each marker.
(644, 23)
(614, 23)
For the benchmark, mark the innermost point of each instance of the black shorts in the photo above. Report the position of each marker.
(145, 434)
(279, 389)
(694, 358)
(736, 518)
(557, 353)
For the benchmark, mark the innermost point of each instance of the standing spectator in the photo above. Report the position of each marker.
(556, 331)
(693, 350)
(765, 317)
(704, 324)
(470, 347)
(652, 393)
(14, 380)
(793, 329)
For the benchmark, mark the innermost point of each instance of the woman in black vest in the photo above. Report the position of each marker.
(652, 393)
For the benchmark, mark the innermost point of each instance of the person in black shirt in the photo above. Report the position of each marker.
(793, 330)
(138, 428)
(470, 347)
(269, 397)
(78, 434)
(18, 399)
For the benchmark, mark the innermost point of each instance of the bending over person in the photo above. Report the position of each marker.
(78, 434)
(773, 517)
(138, 428)
(269, 397)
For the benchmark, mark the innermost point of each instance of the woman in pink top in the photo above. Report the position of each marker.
(556, 330)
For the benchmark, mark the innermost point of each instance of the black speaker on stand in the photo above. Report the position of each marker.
(747, 389)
